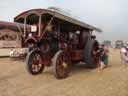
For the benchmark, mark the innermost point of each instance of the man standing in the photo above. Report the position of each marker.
(103, 51)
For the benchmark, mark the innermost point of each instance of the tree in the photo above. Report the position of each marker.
(108, 43)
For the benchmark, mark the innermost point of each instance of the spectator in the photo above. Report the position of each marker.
(11, 52)
(124, 55)
(106, 58)
(103, 52)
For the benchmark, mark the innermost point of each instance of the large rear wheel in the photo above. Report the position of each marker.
(34, 62)
(61, 65)
(90, 56)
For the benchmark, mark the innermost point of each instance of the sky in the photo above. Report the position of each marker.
(111, 16)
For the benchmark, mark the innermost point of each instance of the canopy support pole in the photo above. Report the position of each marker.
(25, 21)
(39, 25)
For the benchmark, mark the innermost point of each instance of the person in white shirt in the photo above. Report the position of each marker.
(11, 52)
(124, 54)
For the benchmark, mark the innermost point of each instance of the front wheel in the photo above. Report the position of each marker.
(34, 62)
(61, 65)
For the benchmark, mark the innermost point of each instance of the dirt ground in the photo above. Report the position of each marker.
(16, 81)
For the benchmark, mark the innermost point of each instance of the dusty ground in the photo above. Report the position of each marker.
(16, 81)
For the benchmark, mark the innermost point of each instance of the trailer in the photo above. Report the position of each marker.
(11, 38)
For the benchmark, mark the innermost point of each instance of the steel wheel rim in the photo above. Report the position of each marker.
(61, 68)
(36, 63)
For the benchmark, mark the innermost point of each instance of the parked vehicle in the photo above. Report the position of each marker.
(119, 44)
(57, 40)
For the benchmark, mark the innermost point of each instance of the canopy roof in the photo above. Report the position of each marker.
(13, 26)
(57, 15)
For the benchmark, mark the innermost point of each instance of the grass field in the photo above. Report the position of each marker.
(16, 81)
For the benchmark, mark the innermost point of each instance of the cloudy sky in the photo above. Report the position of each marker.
(109, 15)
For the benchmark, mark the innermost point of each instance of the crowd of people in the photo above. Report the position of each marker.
(104, 56)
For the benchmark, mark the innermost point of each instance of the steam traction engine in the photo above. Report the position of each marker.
(57, 40)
